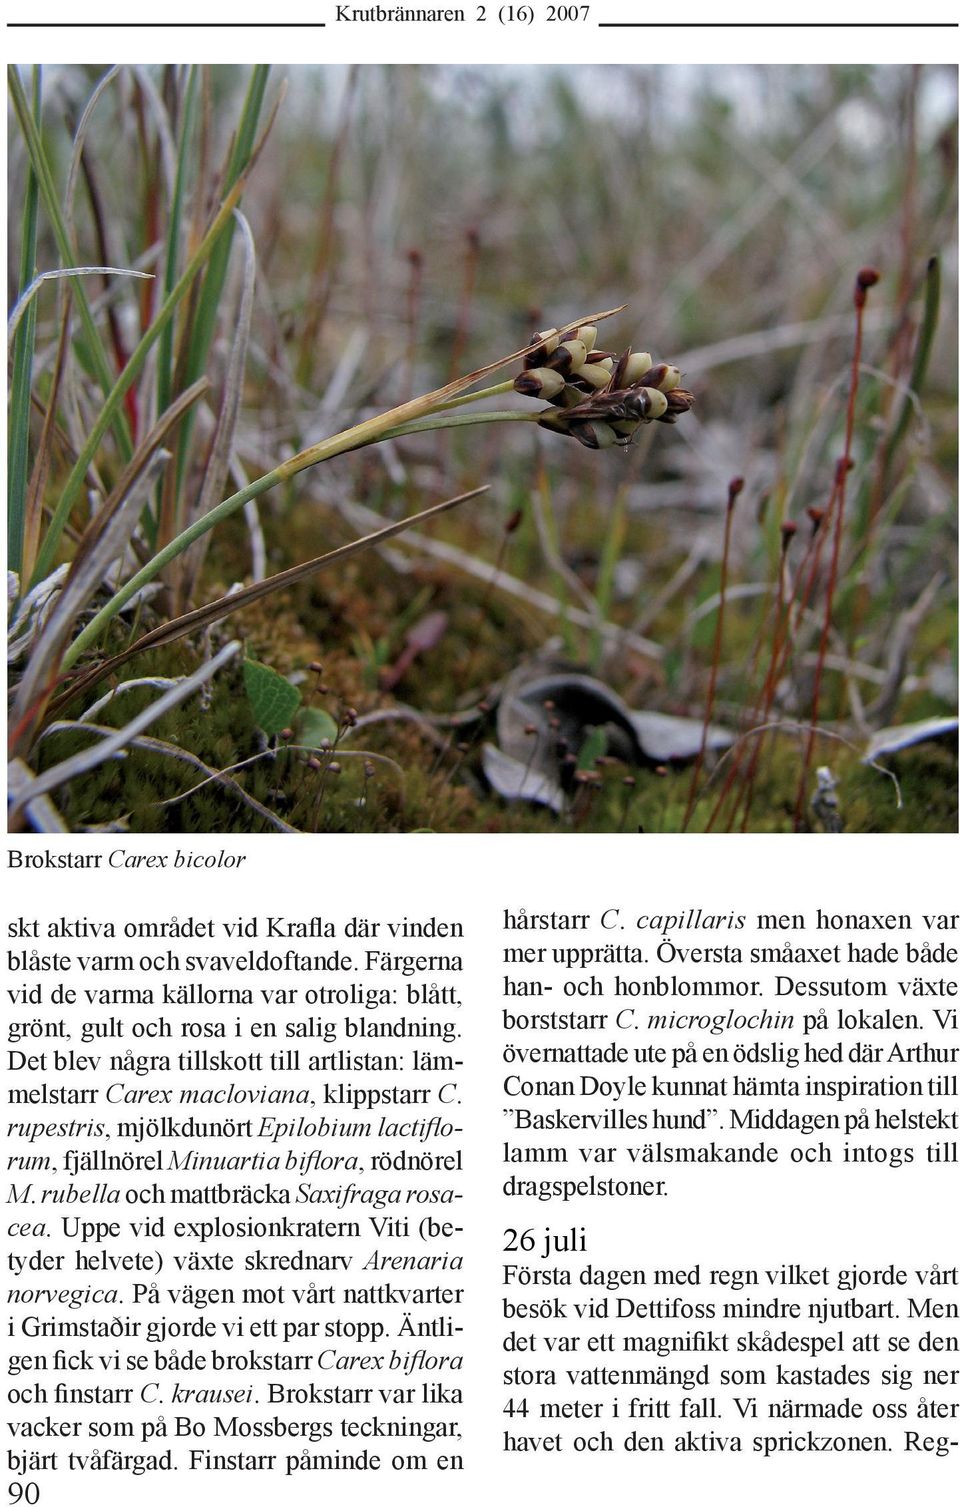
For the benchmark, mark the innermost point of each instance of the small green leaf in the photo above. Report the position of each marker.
(313, 725)
(273, 699)
(592, 747)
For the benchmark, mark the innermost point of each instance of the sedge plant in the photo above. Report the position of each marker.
(596, 397)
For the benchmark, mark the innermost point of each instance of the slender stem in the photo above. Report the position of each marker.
(462, 421)
(163, 558)
(779, 660)
(780, 624)
(921, 360)
(733, 492)
(860, 298)
(495, 391)
(350, 439)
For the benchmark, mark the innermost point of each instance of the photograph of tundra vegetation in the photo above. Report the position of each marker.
(541, 449)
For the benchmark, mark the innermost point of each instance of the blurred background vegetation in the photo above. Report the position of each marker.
(411, 224)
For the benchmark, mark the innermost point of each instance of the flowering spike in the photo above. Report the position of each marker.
(595, 397)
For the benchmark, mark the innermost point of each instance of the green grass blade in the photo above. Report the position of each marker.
(22, 378)
(49, 193)
(208, 303)
(339, 445)
(235, 601)
(127, 377)
(921, 360)
(174, 230)
(613, 543)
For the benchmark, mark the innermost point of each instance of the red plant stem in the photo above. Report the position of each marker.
(903, 336)
(414, 288)
(865, 279)
(770, 682)
(759, 640)
(462, 332)
(813, 553)
(780, 654)
(758, 715)
(761, 706)
(733, 492)
(778, 659)
(509, 529)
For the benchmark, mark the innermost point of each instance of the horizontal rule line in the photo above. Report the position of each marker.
(163, 25)
(781, 25)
